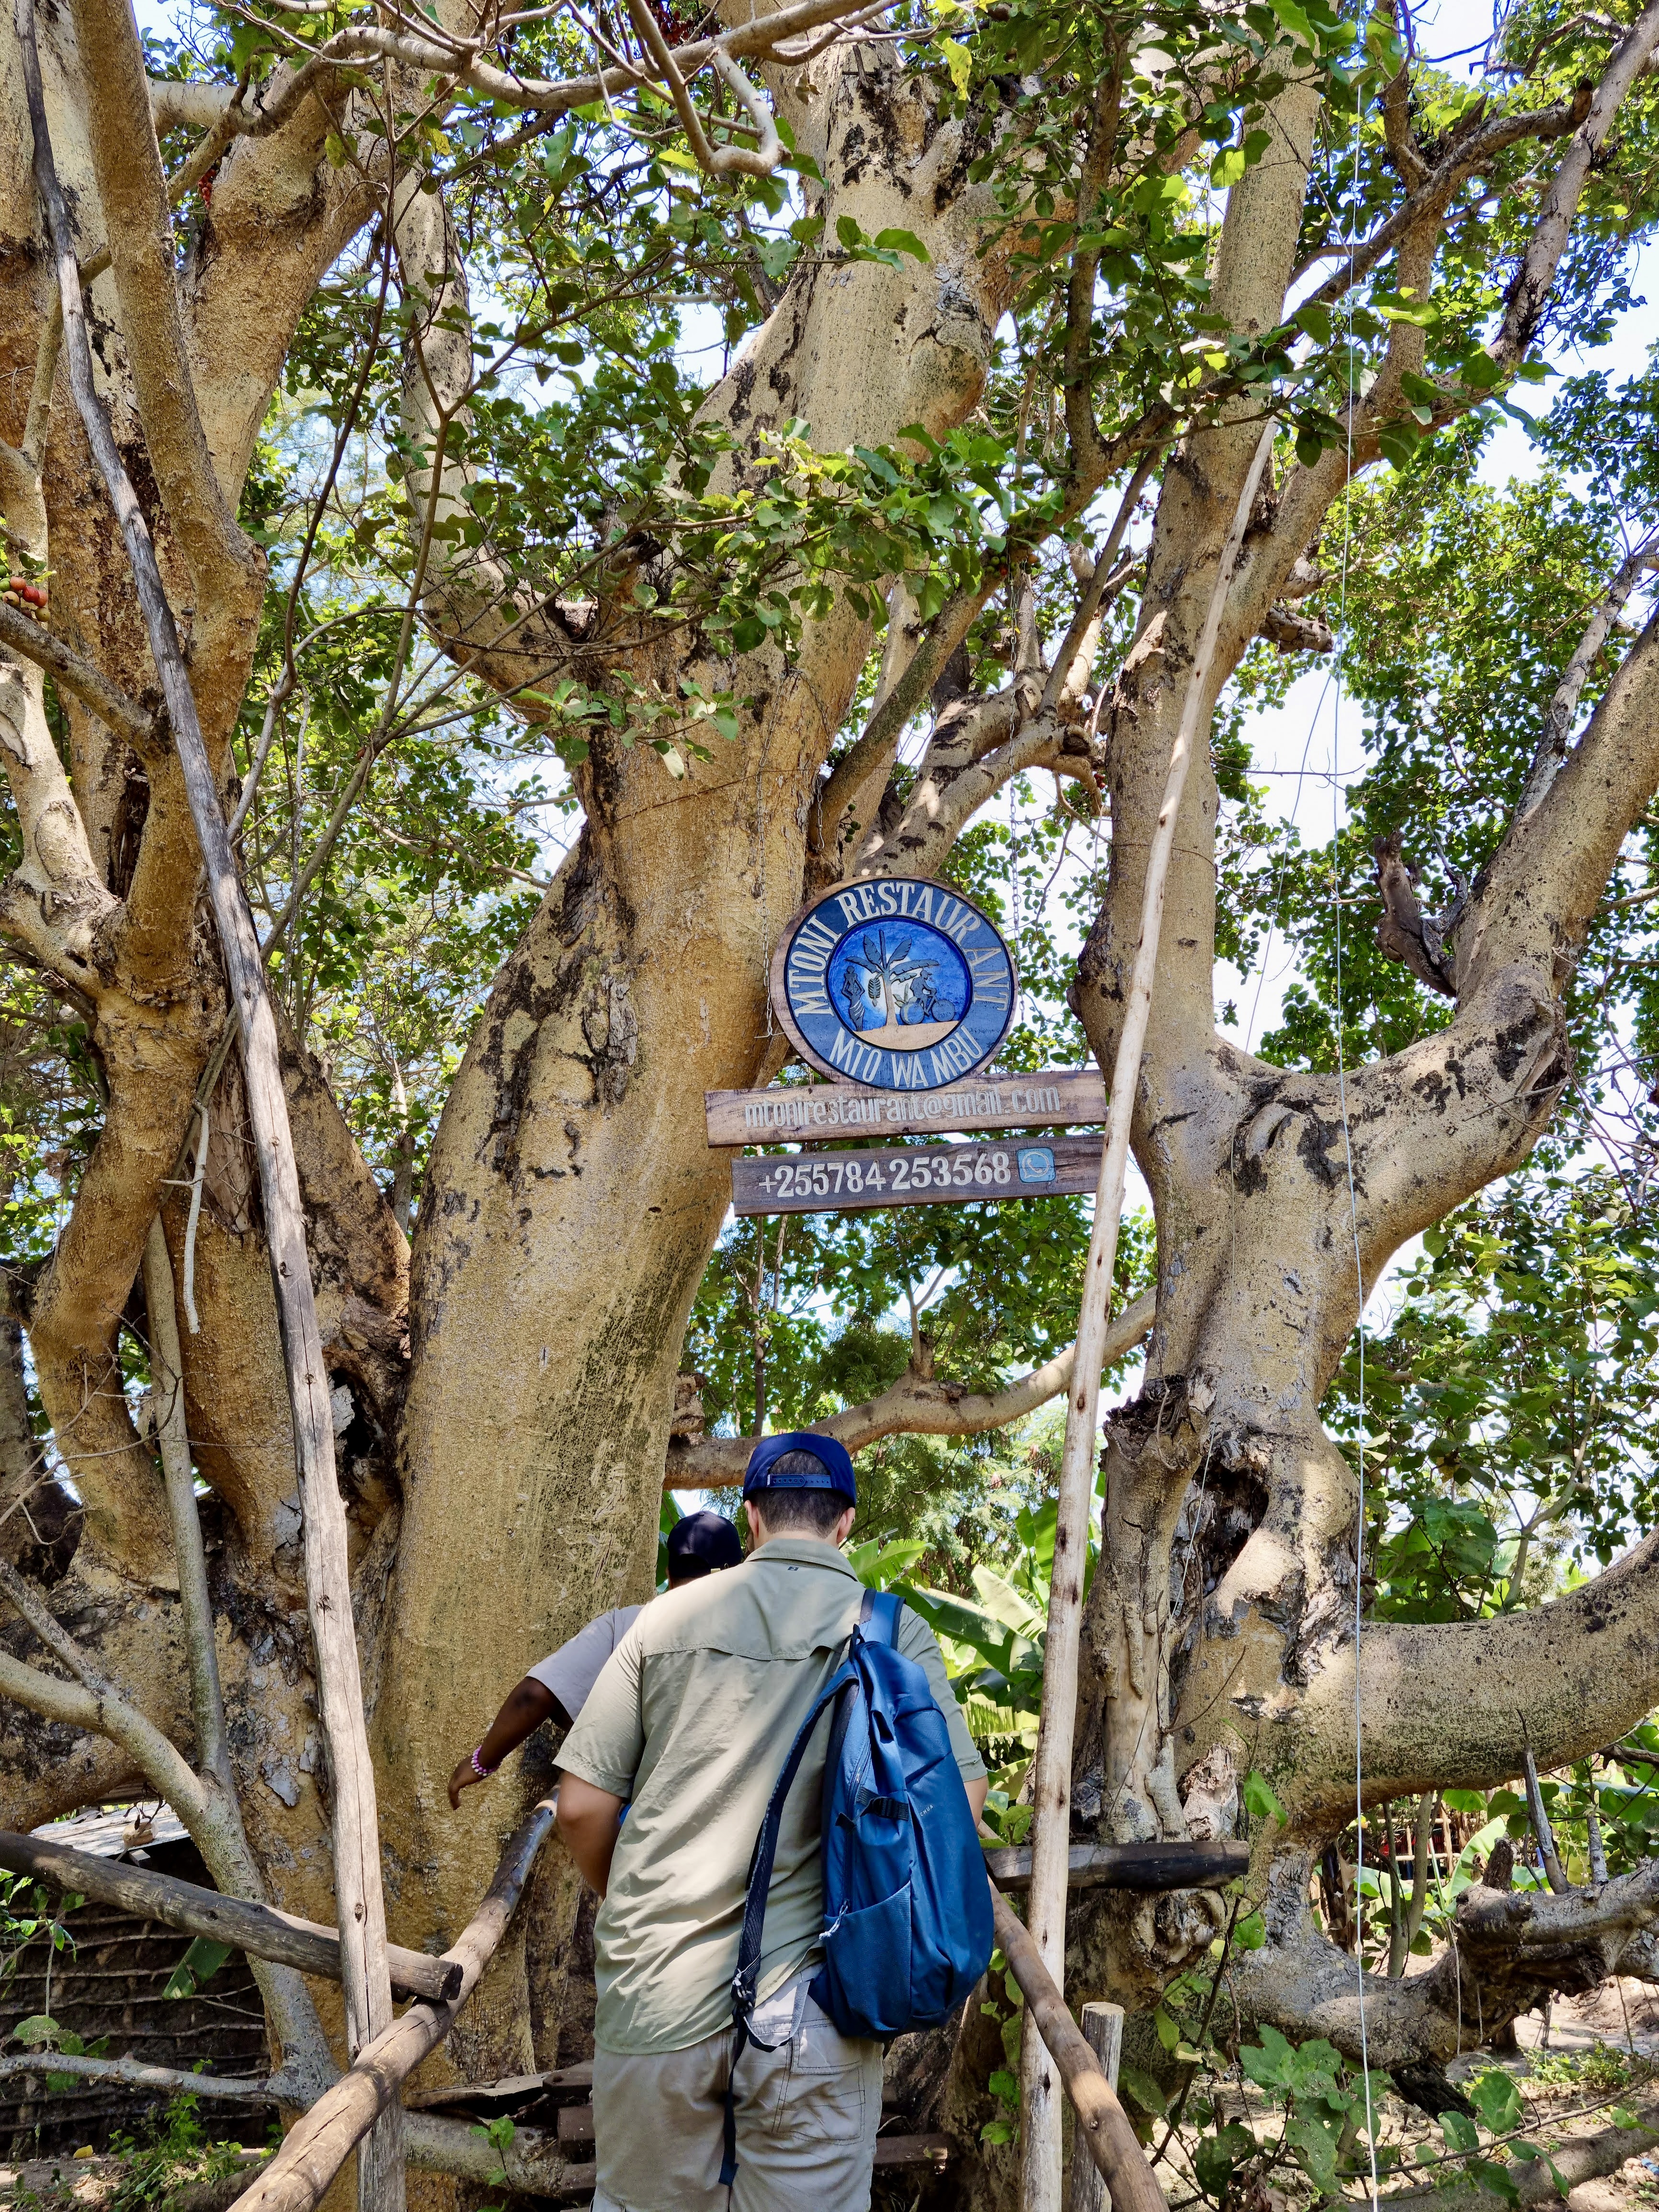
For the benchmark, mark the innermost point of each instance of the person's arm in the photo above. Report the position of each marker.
(977, 1793)
(527, 1706)
(588, 1820)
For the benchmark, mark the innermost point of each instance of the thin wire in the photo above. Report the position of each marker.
(1353, 1224)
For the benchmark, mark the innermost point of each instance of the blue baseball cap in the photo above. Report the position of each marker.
(700, 1544)
(834, 1465)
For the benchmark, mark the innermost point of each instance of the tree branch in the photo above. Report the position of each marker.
(871, 753)
(1529, 293)
(1438, 1702)
(1466, 158)
(97, 1707)
(914, 1405)
(188, 104)
(357, 1871)
(758, 38)
(55, 902)
(1558, 715)
(195, 1603)
(1578, 2159)
(132, 190)
(1533, 904)
(133, 2074)
(116, 708)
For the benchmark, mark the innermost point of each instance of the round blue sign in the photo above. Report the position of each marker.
(899, 983)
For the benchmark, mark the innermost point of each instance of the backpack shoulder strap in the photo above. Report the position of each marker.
(744, 1981)
(879, 1616)
(765, 1850)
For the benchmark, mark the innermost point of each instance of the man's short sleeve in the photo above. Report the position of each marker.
(571, 1671)
(607, 1743)
(917, 1641)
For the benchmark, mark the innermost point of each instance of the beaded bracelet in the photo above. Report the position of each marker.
(483, 1771)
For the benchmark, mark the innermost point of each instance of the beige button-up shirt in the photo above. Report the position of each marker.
(690, 1721)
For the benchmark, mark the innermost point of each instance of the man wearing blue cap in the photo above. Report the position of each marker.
(556, 1689)
(687, 1727)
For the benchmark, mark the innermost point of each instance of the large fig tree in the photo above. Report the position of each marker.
(546, 674)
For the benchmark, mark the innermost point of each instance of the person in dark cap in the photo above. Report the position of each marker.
(699, 1544)
(686, 1729)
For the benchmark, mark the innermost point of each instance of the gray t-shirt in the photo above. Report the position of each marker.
(571, 1671)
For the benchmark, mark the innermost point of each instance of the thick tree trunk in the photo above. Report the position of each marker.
(572, 1196)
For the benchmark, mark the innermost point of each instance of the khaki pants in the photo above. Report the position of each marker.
(807, 2115)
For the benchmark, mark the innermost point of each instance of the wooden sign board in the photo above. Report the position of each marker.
(796, 1113)
(915, 1175)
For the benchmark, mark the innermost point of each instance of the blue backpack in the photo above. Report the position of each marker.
(907, 1900)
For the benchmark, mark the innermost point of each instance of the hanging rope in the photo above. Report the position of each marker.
(1353, 1210)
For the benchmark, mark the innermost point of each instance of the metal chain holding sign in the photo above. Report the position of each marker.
(1051, 1836)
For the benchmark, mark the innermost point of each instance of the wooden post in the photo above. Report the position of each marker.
(328, 1588)
(1102, 2031)
(1052, 1794)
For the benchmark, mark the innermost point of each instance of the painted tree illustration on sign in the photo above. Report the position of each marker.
(889, 984)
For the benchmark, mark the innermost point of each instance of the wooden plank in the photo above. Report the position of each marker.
(913, 2150)
(914, 1174)
(1147, 1867)
(576, 2124)
(785, 1113)
(512, 2089)
(259, 1929)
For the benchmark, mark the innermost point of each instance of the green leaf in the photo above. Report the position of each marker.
(959, 62)
(38, 2028)
(1460, 2132)
(1143, 2089)
(200, 1963)
(1259, 1799)
(1314, 2143)
(1294, 22)
(1218, 2155)
(900, 241)
(1498, 2100)
(1498, 2178)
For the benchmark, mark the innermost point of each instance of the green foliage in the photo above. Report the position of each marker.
(170, 2148)
(1599, 2069)
(28, 1909)
(1512, 1405)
